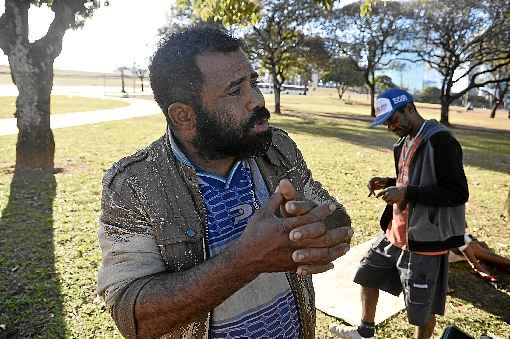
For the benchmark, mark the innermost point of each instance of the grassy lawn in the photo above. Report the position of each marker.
(63, 104)
(49, 254)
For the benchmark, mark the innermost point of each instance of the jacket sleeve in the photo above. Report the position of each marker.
(130, 256)
(452, 187)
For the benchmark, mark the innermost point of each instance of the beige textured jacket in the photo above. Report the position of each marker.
(153, 220)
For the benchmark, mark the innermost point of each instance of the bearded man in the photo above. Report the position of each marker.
(214, 230)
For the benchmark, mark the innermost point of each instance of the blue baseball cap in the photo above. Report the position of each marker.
(388, 102)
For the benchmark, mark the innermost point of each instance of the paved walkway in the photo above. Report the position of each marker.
(136, 108)
(337, 295)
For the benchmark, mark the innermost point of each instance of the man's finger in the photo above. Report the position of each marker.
(332, 238)
(319, 256)
(315, 215)
(308, 231)
(313, 269)
(296, 208)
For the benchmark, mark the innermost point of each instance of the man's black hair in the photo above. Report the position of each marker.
(174, 74)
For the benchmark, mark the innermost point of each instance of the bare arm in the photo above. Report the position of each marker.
(172, 299)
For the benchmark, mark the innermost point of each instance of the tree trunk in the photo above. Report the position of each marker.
(371, 89)
(277, 87)
(495, 108)
(277, 92)
(33, 76)
(341, 90)
(445, 108)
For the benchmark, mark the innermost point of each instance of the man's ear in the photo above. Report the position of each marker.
(411, 108)
(182, 116)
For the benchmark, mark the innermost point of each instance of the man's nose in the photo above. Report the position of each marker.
(256, 99)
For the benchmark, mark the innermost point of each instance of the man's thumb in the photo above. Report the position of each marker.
(286, 188)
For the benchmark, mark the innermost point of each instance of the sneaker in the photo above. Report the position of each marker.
(346, 332)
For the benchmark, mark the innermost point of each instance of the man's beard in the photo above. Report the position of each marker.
(217, 138)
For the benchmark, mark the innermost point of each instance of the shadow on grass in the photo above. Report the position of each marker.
(483, 148)
(466, 286)
(30, 302)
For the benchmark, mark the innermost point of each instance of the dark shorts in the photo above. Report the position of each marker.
(424, 279)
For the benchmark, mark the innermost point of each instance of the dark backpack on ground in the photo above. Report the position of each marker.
(453, 332)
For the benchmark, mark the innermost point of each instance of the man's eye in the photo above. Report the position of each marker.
(235, 92)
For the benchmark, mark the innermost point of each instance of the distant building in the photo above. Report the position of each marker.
(413, 76)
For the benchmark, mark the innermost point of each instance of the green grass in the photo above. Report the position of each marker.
(49, 253)
(63, 104)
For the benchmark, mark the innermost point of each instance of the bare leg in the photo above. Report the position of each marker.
(478, 267)
(369, 299)
(426, 331)
(486, 255)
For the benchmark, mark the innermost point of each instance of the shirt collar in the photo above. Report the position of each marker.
(410, 139)
(182, 158)
(421, 128)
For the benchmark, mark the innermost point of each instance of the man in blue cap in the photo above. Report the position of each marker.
(423, 218)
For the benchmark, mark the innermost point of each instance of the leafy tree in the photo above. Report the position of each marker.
(227, 12)
(344, 73)
(237, 12)
(277, 41)
(31, 65)
(462, 40)
(180, 15)
(244, 12)
(430, 95)
(368, 40)
(313, 56)
(384, 82)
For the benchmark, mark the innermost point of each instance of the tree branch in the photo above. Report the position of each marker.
(478, 85)
(65, 13)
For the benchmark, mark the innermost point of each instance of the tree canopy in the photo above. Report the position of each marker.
(370, 41)
(464, 40)
(344, 73)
